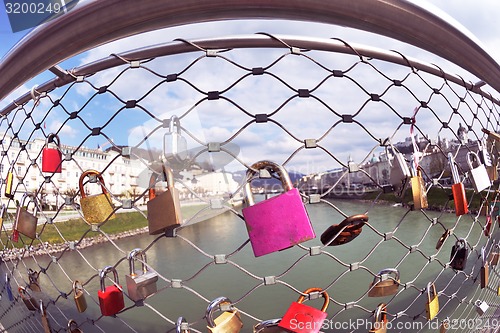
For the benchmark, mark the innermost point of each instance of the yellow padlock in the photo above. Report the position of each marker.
(228, 322)
(432, 305)
(96, 208)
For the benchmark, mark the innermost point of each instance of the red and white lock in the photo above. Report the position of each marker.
(52, 157)
(111, 297)
(301, 318)
(277, 223)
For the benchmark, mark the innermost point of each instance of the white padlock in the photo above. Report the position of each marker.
(481, 307)
(478, 175)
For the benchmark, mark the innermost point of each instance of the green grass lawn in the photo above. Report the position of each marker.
(73, 229)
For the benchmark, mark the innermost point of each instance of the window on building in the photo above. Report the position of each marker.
(19, 170)
(1, 168)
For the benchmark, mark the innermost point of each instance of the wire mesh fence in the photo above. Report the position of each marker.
(396, 169)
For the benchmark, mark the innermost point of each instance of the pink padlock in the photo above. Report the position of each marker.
(277, 223)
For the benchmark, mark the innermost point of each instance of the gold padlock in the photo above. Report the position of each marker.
(228, 322)
(485, 269)
(73, 327)
(383, 284)
(45, 319)
(26, 222)
(96, 208)
(380, 322)
(80, 301)
(432, 305)
(33, 278)
(164, 210)
(419, 191)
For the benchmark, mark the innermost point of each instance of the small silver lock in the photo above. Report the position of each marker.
(481, 307)
(140, 284)
(478, 174)
(174, 144)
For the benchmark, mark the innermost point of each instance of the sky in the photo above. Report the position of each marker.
(479, 17)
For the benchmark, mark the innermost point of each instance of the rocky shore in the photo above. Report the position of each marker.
(51, 249)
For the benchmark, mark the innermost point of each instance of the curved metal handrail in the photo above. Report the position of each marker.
(245, 41)
(99, 21)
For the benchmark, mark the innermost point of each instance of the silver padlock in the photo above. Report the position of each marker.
(174, 144)
(481, 307)
(478, 174)
(400, 174)
(140, 283)
(484, 155)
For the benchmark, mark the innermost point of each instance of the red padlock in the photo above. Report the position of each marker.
(457, 189)
(111, 297)
(301, 318)
(52, 157)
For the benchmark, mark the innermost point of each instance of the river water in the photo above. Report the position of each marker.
(176, 258)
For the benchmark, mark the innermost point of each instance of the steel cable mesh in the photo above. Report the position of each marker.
(244, 94)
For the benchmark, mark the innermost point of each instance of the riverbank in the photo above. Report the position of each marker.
(127, 224)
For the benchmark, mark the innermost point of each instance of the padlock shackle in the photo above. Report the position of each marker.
(71, 323)
(178, 325)
(215, 304)
(89, 173)
(102, 276)
(274, 167)
(52, 138)
(266, 324)
(460, 243)
(381, 313)
(168, 175)
(28, 195)
(315, 289)
(174, 120)
(453, 169)
(386, 271)
(23, 293)
(32, 276)
(470, 162)
(42, 309)
(76, 287)
(430, 286)
(132, 256)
